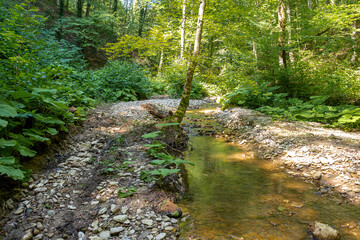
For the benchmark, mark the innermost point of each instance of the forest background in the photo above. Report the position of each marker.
(295, 60)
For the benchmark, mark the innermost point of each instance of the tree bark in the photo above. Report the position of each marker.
(115, 6)
(282, 34)
(161, 62)
(88, 7)
(288, 12)
(61, 8)
(67, 5)
(185, 99)
(182, 44)
(79, 6)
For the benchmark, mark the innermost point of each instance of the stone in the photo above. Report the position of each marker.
(160, 236)
(102, 211)
(81, 236)
(71, 207)
(105, 235)
(124, 210)
(19, 211)
(95, 238)
(317, 175)
(40, 189)
(27, 236)
(114, 208)
(120, 218)
(94, 202)
(147, 222)
(323, 231)
(170, 209)
(36, 231)
(116, 230)
(40, 226)
(51, 213)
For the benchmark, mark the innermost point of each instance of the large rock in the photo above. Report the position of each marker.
(170, 209)
(322, 231)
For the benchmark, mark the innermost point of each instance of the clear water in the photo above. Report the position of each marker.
(233, 195)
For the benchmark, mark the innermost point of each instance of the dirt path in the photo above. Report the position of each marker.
(78, 198)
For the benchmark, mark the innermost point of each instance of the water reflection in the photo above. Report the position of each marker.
(232, 195)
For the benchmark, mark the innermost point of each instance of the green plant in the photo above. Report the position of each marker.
(168, 164)
(123, 192)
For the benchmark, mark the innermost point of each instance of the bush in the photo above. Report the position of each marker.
(118, 80)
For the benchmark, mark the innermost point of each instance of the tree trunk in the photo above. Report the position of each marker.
(185, 99)
(61, 8)
(79, 6)
(115, 6)
(182, 44)
(142, 19)
(354, 37)
(161, 62)
(282, 28)
(67, 5)
(88, 7)
(255, 52)
(288, 12)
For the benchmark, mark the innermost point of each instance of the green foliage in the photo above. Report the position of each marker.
(123, 192)
(39, 82)
(277, 105)
(167, 163)
(118, 80)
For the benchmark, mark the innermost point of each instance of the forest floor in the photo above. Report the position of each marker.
(76, 196)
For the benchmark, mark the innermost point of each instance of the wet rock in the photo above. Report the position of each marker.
(170, 209)
(160, 236)
(120, 218)
(323, 231)
(317, 175)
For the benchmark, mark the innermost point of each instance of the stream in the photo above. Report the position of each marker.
(234, 195)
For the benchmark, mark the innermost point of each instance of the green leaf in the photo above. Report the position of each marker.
(151, 135)
(52, 131)
(163, 172)
(25, 151)
(21, 94)
(7, 111)
(7, 143)
(157, 162)
(167, 124)
(281, 208)
(3, 123)
(7, 160)
(12, 172)
(180, 161)
(36, 137)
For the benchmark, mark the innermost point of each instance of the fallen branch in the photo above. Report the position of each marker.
(156, 111)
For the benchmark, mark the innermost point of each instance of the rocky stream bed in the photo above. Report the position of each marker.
(77, 197)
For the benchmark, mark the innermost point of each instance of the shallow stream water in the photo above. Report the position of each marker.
(233, 195)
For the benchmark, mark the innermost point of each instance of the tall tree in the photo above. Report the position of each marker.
(61, 8)
(185, 99)
(79, 7)
(183, 24)
(282, 34)
(88, 7)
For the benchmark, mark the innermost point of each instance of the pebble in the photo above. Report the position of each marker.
(114, 208)
(102, 211)
(71, 207)
(160, 236)
(116, 230)
(19, 211)
(124, 210)
(120, 218)
(147, 222)
(105, 235)
(27, 236)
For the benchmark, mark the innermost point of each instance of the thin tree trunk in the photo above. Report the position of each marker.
(185, 99)
(88, 7)
(142, 19)
(354, 57)
(61, 8)
(282, 28)
(288, 12)
(115, 8)
(182, 44)
(255, 52)
(79, 6)
(161, 62)
(67, 5)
